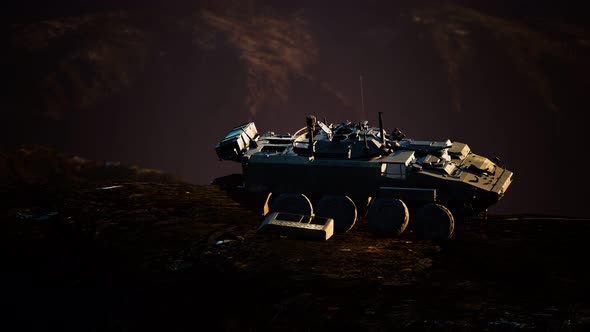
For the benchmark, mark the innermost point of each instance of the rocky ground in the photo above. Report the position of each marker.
(166, 255)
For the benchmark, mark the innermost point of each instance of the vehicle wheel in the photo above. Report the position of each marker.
(340, 208)
(292, 203)
(434, 222)
(388, 216)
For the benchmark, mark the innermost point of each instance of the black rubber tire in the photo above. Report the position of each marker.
(292, 203)
(387, 216)
(340, 208)
(434, 222)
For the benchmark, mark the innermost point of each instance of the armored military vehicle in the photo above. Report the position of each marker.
(342, 172)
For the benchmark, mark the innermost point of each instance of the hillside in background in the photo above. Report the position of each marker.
(159, 85)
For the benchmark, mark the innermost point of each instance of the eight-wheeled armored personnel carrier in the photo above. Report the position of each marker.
(344, 171)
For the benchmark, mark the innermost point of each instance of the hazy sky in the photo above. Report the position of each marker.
(497, 76)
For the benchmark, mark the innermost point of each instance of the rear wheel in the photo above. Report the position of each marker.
(340, 208)
(434, 222)
(388, 216)
(292, 203)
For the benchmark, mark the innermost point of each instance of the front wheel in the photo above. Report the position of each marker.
(434, 222)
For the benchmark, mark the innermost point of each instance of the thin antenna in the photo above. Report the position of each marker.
(362, 96)
(381, 130)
